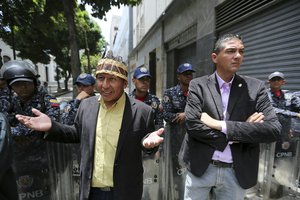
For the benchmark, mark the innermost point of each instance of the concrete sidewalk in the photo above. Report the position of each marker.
(60, 93)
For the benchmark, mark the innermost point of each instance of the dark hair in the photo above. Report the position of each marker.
(224, 38)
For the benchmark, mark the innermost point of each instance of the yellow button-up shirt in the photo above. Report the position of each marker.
(107, 136)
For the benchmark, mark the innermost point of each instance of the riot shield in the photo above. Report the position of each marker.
(265, 171)
(60, 171)
(73, 159)
(286, 161)
(75, 151)
(279, 170)
(43, 169)
(151, 176)
(30, 163)
(172, 172)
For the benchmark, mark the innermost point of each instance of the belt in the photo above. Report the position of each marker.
(103, 189)
(221, 164)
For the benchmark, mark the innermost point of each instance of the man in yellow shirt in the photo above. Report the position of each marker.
(112, 129)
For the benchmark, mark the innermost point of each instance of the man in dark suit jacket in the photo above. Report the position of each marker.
(112, 130)
(227, 117)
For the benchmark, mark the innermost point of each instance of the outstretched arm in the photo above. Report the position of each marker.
(39, 123)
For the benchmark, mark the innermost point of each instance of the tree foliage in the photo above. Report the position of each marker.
(44, 30)
(94, 59)
(33, 27)
(100, 7)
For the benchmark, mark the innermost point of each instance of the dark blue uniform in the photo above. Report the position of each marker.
(68, 112)
(295, 107)
(32, 154)
(154, 102)
(285, 103)
(295, 102)
(5, 93)
(43, 102)
(284, 106)
(174, 101)
(285, 151)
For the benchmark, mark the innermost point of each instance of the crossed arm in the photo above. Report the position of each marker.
(260, 126)
(217, 124)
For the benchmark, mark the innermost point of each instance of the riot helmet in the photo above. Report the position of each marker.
(17, 70)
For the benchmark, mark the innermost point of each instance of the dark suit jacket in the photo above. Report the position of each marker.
(248, 95)
(128, 170)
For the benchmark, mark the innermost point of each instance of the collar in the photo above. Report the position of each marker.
(118, 102)
(133, 94)
(221, 81)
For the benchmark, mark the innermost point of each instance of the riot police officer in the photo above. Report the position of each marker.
(285, 150)
(31, 153)
(85, 84)
(282, 102)
(174, 101)
(141, 79)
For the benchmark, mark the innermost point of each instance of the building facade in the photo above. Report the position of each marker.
(47, 72)
(164, 34)
(167, 33)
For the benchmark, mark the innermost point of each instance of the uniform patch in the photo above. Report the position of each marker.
(166, 99)
(154, 105)
(54, 103)
(144, 69)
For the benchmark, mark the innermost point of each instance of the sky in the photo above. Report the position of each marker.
(105, 25)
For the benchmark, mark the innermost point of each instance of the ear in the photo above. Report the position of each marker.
(125, 84)
(214, 57)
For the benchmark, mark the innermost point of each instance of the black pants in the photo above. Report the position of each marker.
(97, 194)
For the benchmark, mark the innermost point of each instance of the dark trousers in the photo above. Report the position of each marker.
(98, 194)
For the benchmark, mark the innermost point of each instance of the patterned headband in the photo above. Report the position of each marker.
(114, 67)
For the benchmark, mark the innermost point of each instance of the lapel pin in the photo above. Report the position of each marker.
(240, 85)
